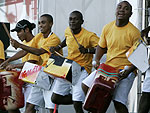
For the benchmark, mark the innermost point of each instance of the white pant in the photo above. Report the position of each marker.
(41, 97)
(64, 87)
(26, 90)
(40, 94)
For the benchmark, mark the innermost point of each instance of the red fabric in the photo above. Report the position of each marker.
(11, 96)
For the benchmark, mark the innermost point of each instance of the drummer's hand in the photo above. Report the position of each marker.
(15, 43)
(10, 67)
(53, 49)
(3, 65)
(124, 74)
(83, 50)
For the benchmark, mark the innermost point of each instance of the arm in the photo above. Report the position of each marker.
(20, 65)
(63, 44)
(93, 41)
(1, 60)
(18, 55)
(87, 50)
(99, 53)
(145, 32)
(125, 73)
(32, 50)
(60, 46)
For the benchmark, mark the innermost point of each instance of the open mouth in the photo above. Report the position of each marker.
(120, 14)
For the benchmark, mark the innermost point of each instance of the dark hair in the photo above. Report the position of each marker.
(128, 4)
(79, 14)
(48, 16)
(31, 26)
(23, 24)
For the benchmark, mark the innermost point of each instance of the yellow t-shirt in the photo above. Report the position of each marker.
(30, 56)
(118, 41)
(2, 55)
(40, 42)
(85, 38)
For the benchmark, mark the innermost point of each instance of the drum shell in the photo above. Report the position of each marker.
(11, 95)
(99, 96)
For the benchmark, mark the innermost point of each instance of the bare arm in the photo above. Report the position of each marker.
(20, 65)
(18, 55)
(32, 50)
(57, 48)
(99, 53)
(84, 50)
(125, 73)
(63, 44)
(1, 60)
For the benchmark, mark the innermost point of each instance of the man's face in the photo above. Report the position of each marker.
(44, 25)
(75, 21)
(21, 35)
(123, 11)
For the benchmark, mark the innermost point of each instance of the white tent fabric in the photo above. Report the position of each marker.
(96, 13)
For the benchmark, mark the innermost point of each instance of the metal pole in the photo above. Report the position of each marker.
(140, 16)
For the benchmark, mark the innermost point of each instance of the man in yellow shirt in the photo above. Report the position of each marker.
(41, 96)
(116, 39)
(24, 32)
(81, 47)
(2, 55)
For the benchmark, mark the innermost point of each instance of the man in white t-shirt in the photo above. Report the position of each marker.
(144, 105)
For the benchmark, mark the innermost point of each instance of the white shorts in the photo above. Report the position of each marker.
(41, 97)
(64, 87)
(122, 89)
(41, 92)
(26, 90)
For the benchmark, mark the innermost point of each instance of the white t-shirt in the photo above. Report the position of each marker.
(146, 83)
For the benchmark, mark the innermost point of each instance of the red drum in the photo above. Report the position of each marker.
(11, 96)
(100, 94)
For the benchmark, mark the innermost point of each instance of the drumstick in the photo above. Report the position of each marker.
(7, 31)
(145, 40)
(59, 54)
(75, 38)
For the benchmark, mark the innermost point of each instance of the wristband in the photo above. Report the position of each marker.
(88, 50)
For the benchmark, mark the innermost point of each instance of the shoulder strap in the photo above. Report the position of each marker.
(75, 38)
